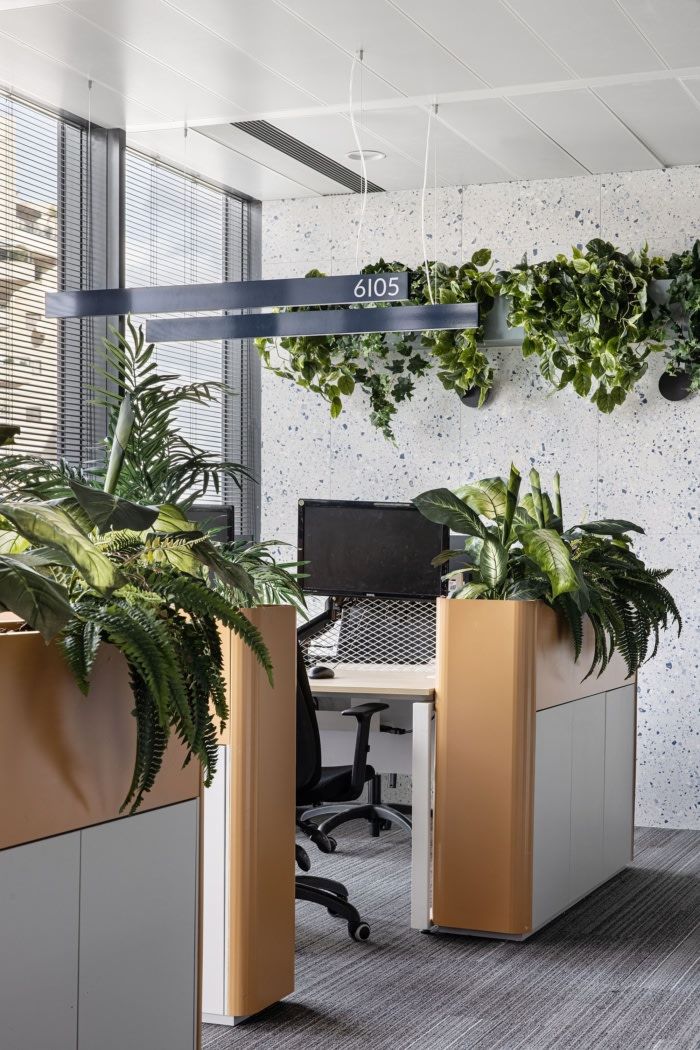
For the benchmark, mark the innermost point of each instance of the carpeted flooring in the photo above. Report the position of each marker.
(621, 971)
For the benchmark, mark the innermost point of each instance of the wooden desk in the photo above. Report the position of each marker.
(405, 684)
(377, 680)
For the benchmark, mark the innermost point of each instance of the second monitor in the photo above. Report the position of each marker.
(358, 548)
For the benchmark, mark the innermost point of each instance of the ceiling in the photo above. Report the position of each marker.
(524, 89)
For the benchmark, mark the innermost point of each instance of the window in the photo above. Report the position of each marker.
(46, 243)
(181, 230)
(28, 269)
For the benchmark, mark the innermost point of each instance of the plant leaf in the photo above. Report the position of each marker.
(111, 512)
(549, 552)
(493, 562)
(40, 602)
(445, 508)
(471, 590)
(51, 526)
(610, 527)
(487, 497)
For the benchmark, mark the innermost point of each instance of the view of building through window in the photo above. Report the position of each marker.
(28, 269)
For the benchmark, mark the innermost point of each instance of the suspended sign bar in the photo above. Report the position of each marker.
(230, 295)
(320, 322)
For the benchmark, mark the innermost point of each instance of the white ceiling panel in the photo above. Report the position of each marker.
(592, 36)
(510, 138)
(585, 128)
(332, 134)
(68, 39)
(489, 39)
(37, 76)
(218, 163)
(181, 44)
(672, 27)
(282, 42)
(247, 146)
(661, 114)
(395, 48)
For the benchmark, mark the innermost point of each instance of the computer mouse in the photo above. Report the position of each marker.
(321, 672)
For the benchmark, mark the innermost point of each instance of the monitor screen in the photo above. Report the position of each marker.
(357, 548)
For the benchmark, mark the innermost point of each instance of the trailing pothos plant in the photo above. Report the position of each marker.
(517, 548)
(589, 318)
(386, 365)
(109, 555)
(683, 315)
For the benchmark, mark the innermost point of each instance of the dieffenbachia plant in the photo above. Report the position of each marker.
(516, 548)
(110, 555)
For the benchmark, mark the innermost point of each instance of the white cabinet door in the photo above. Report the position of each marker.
(587, 795)
(39, 944)
(552, 825)
(619, 778)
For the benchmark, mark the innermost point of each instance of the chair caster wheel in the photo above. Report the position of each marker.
(326, 843)
(359, 931)
(333, 843)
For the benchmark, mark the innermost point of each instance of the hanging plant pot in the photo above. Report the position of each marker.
(674, 387)
(470, 398)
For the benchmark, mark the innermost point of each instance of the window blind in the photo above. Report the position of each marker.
(182, 230)
(46, 218)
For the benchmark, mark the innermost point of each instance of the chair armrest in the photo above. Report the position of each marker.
(364, 714)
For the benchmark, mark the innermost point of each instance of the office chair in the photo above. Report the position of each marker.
(316, 783)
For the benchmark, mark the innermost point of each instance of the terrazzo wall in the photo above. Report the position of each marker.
(642, 462)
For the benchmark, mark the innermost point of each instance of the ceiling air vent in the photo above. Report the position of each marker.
(299, 151)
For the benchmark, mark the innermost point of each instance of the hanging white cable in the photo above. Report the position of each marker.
(358, 55)
(422, 206)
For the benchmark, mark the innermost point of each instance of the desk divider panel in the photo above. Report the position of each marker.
(260, 820)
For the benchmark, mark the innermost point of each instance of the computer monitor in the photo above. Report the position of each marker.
(356, 548)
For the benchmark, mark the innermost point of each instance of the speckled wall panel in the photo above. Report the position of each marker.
(642, 462)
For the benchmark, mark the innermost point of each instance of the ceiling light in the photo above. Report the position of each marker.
(368, 154)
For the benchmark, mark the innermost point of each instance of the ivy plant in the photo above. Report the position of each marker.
(517, 549)
(683, 315)
(588, 318)
(386, 365)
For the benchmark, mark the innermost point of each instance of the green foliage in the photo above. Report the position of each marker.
(517, 548)
(85, 562)
(386, 365)
(684, 299)
(588, 319)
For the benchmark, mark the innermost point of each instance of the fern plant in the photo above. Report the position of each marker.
(108, 555)
(516, 548)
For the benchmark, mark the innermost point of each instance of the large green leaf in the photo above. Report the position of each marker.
(610, 527)
(51, 526)
(110, 512)
(493, 562)
(471, 590)
(487, 497)
(40, 602)
(549, 552)
(445, 508)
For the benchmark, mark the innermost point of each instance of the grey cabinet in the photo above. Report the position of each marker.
(584, 798)
(99, 936)
(39, 887)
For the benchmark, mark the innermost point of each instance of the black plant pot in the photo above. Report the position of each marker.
(674, 387)
(471, 397)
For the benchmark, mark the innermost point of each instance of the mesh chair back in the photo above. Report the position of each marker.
(308, 738)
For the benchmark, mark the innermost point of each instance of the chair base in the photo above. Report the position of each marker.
(333, 896)
(376, 815)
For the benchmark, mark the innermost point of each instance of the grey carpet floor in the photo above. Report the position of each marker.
(620, 971)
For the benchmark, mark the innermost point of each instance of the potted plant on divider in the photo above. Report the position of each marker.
(108, 555)
(518, 549)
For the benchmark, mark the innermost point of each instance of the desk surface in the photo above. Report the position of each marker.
(377, 680)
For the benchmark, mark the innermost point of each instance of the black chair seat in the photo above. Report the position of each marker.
(334, 785)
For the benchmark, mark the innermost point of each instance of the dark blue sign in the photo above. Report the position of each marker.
(314, 322)
(230, 295)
